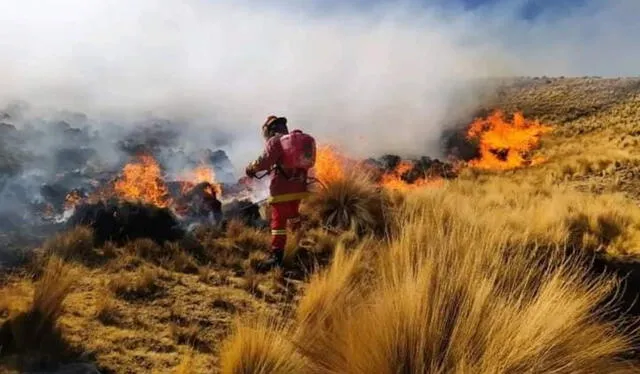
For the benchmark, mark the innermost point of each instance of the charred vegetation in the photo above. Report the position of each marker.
(122, 221)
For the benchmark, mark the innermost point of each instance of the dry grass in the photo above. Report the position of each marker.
(544, 213)
(351, 203)
(261, 349)
(34, 332)
(107, 311)
(143, 283)
(191, 335)
(76, 244)
(170, 255)
(447, 295)
(186, 364)
(569, 101)
(229, 249)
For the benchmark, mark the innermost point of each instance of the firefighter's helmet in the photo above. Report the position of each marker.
(274, 125)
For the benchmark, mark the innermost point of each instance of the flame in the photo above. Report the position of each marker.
(505, 145)
(330, 164)
(72, 199)
(142, 181)
(202, 173)
(393, 179)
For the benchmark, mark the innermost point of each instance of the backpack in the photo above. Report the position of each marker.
(299, 150)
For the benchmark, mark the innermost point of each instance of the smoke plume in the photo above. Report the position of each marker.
(373, 78)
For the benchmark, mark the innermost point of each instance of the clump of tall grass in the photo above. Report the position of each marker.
(34, 332)
(350, 203)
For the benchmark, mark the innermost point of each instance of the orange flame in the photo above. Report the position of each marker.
(393, 180)
(201, 173)
(505, 145)
(142, 181)
(332, 165)
(72, 199)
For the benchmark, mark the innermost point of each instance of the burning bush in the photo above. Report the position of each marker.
(389, 171)
(504, 145)
(141, 181)
(198, 201)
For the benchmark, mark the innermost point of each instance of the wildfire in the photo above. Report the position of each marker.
(505, 145)
(393, 180)
(200, 174)
(72, 199)
(332, 165)
(142, 181)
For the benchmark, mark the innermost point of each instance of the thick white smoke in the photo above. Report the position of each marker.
(382, 80)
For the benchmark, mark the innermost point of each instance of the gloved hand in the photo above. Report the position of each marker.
(250, 172)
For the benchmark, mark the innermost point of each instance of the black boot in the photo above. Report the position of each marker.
(274, 260)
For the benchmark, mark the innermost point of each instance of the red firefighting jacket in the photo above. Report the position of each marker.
(286, 184)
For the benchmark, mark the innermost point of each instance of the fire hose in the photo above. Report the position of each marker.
(310, 180)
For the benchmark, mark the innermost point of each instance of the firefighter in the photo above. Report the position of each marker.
(288, 184)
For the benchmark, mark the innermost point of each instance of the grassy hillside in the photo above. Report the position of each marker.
(486, 273)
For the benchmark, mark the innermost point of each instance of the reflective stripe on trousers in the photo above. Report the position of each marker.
(281, 214)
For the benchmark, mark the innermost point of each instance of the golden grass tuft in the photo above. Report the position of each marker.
(239, 242)
(35, 329)
(76, 244)
(143, 283)
(329, 290)
(251, 239)
(186, 363)
(191, 335)
(318, 241)
(52, 289)
(261, 348)
(107, 311)
(170, 256)
(145, 248)
(349, 203)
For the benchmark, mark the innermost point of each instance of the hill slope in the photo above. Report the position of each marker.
(144, 307)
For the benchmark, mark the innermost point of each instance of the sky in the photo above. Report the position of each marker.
(527, 9)
(394, 73)
(533, 8)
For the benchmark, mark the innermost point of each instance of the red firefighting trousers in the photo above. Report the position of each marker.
(281, 213)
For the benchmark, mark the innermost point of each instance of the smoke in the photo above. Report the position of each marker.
(376, 78)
